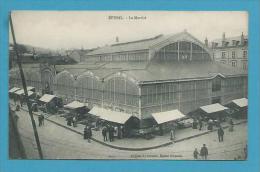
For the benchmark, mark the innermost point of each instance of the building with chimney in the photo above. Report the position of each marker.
(231, 50)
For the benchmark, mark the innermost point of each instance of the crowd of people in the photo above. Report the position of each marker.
(199, 123)
(110, 132)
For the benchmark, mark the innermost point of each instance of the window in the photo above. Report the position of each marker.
(234, 63)
(223, 55)
(245, 65)
(245, 54)
(233, 54)
(216, 84)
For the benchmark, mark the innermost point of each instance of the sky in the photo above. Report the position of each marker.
(90, 29)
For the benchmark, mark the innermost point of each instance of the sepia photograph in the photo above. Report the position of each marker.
(128, 85)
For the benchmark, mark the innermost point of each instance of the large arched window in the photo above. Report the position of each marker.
(120, 90)
(47, 78)
(88, 88)
(65, 84)
(182, 51)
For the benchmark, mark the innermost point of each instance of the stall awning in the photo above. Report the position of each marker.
(14, 89)
(29, 88)
(162, 117)
(108, 115)
(74, 105)
(47, 98)
(213, 108)
(21, 92)
(243, 102)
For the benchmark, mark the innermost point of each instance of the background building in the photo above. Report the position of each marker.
(142, 77)
(232, 50)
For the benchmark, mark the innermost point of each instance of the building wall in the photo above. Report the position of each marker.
(190, 95)
(233, 56)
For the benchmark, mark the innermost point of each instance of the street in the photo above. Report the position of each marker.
(60, 143)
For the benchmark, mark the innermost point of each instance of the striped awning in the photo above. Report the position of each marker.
(162, 117)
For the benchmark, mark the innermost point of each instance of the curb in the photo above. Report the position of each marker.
(137, 149)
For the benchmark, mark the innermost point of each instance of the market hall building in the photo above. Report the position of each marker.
(141, 79)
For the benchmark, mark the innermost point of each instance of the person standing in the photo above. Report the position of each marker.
(115, 132)
(111, 133)
(200, 123)
(204, 152)
(104, 133)
(172, 133)
(85, 133)
(39, 121)
(89, 133)
(231, 125)
(220, 134)
(74, 121)
(42, 119)
(195, 153)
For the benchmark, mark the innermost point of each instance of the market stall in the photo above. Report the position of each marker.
(48, 103)
(78, 111)
(166, 120)
(12, 92)
(214, 112)
(30, 88)
(120, 120)
(238, 108)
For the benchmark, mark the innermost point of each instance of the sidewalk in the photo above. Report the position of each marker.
(135, 144)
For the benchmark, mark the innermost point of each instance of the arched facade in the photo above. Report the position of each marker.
(182, 51)
(89, 89)
(122, 92)
(47, 78)
(64, 85)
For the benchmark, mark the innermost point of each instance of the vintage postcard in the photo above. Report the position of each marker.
(138, 85)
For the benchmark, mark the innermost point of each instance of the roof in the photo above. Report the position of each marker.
(21, 92)
(30, 88)
(129, 46)
(144, 44)
(47, 98)
(213, 108)
(14, 89)
(243, 102)
(183, 71)
(108, 115)
(74, 105)
(162, 117)
(230, 40)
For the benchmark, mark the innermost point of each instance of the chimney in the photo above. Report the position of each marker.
(223, 39)
(206, 42)
(117, 39)
(242, 39)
